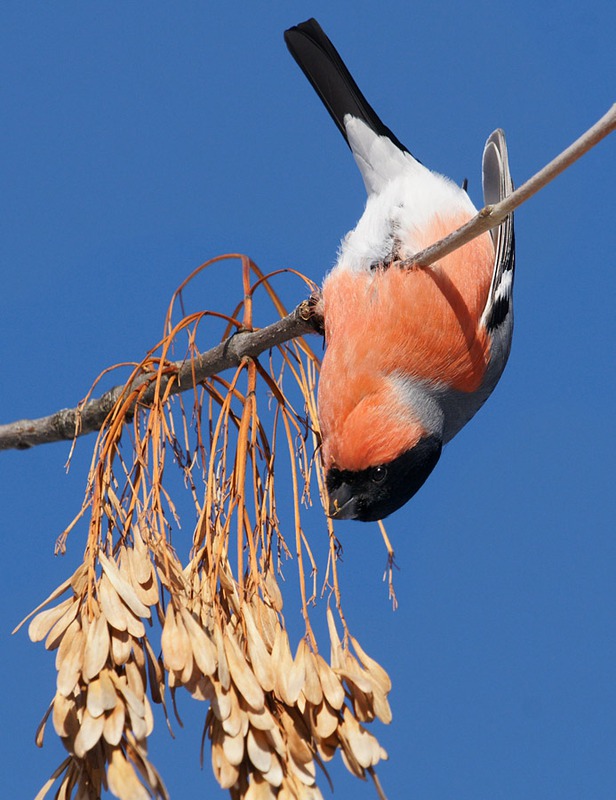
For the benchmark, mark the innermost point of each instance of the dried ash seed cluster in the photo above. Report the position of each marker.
(272, 717)
(105, 663)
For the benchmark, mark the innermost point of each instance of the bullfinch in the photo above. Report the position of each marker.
(411, 352)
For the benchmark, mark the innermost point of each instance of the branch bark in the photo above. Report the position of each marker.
(69, 423)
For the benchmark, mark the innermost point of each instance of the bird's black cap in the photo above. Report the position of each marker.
(374, 493)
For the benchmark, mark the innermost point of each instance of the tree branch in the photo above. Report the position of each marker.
(491, 216)
(68, 423)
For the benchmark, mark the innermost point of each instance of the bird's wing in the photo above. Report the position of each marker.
(497, 185)
(379, 153)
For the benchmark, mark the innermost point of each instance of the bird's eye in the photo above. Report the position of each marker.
(378, 474)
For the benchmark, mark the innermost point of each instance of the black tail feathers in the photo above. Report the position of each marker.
(321, 64)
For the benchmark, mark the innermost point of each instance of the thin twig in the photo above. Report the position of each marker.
(492, 215)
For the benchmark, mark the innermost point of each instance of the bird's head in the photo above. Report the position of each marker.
(375, 492)
(377, 455)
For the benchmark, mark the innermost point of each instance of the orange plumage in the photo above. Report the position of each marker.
(422, 321)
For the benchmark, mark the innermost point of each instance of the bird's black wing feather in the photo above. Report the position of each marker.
(497, 185)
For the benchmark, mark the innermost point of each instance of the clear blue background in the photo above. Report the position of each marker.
(139, 139)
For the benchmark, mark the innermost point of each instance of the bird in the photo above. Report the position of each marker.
(411, 352)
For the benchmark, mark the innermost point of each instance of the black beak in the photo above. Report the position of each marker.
(342, 502)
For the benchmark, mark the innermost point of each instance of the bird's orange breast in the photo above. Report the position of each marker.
(421, 323)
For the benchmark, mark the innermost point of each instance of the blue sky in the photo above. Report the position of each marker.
(137, 141)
